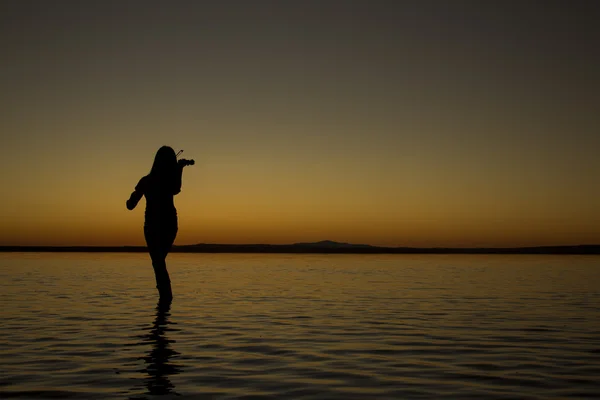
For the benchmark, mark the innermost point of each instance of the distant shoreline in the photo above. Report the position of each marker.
(308, 248)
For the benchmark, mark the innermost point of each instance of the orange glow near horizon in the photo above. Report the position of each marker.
(221, 205)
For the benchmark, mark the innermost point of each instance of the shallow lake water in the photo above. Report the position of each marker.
(261, 326)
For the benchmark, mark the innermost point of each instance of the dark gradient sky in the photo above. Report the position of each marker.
(426, 123)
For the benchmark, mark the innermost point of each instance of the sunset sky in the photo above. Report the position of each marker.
(401, 123)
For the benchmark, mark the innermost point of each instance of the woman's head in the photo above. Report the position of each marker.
(165, 161)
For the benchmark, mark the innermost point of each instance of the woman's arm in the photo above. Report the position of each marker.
(134, 199)
(177, 178)
(137, 194)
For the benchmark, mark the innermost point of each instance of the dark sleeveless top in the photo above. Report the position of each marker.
(160, 208)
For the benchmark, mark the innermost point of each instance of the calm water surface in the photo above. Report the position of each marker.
(87, 326)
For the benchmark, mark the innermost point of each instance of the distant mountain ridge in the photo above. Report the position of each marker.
(331, 243)
(322, 247)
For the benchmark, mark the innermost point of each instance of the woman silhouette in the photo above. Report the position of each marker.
(160, 226)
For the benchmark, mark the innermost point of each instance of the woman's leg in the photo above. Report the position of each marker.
(159, 243)
(163, 281)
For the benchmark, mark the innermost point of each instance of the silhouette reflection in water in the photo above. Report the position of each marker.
(158, 367)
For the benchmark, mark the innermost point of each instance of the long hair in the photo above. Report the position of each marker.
(165, 163)
(164, 170)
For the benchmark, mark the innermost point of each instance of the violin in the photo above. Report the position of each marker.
(183, 162)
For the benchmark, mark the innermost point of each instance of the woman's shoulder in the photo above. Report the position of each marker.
(143, 183)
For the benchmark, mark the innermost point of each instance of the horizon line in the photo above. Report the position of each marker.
(322, 247)
(318, 243)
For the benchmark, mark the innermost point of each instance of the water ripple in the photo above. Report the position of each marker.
(86, 326)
